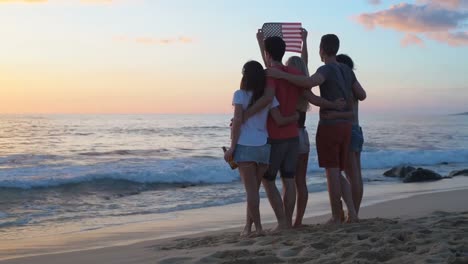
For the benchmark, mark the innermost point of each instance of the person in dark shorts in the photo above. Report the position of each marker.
(333, 135)
(284, 140)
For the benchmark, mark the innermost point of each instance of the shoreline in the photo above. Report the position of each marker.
(132, 235)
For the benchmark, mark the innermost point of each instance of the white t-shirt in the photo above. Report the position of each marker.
(254, 131)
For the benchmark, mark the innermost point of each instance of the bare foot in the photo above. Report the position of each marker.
(298, 225)
(277, 229)
(258, 233)
(342, 216)
(352, 219)
(333, 221)
(247, 231)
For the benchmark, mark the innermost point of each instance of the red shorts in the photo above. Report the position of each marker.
(332, 141)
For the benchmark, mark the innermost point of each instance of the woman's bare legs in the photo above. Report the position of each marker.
(261, 170)
(301, 187)
(248, 173)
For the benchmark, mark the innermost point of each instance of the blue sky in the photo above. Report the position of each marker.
(158, 56)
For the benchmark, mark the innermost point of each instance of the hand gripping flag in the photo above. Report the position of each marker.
(289, 32)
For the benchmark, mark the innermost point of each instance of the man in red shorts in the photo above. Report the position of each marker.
(333, 135)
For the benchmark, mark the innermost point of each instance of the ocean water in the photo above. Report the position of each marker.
(91, 171)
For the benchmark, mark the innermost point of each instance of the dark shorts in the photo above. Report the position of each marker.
(283, 158)
(357, 139)
(332, 141)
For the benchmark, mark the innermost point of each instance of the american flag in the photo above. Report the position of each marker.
(289, 32)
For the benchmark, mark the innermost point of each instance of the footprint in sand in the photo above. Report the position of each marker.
(246, 242)
(320, 245)
(267, 241)
(232, 254)
(382, 255)
(290, 252)
(403, 236)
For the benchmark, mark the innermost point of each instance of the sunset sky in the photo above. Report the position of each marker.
(161, 56)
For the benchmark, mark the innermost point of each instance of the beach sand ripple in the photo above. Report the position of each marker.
(439, 238)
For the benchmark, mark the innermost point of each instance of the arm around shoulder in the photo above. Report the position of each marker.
(298, 80)
(261, 103)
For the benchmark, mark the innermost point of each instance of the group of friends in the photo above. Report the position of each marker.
(268, 133)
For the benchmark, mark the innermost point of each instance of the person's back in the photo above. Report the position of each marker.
(284, 140)
(338, 81)
(254, 130)
(287, 95)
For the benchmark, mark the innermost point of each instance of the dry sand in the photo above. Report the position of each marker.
(439, 238)
(428, 228)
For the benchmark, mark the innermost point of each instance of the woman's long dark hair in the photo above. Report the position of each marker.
(253, 79)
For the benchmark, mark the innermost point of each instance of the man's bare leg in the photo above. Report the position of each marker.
(301, 189)
(276, 203)
(289, 199)
(334, 193)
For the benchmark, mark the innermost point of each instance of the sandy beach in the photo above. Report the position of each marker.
(426, 228)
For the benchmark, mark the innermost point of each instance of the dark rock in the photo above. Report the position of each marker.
(399, 171)
(420, 175)
(459, 173)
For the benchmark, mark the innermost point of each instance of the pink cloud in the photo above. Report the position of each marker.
(453, 39)
(411, 39)
(453, 4)
(440, 22)
(414, 18)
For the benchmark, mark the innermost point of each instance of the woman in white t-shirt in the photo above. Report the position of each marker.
(249, 148)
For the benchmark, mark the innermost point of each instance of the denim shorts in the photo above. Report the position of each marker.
(259, 155)
(357, 139)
